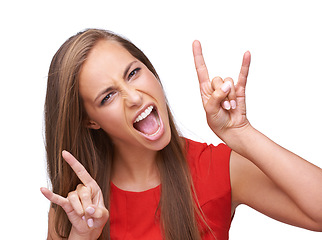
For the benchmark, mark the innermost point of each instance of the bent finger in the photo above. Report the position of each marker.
(96, 212)
(220, 93)
(217, 83)
(230, 102)
(84, 196)
(76, 204)
(100, 216)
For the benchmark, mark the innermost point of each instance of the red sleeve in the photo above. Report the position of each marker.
(209, 166)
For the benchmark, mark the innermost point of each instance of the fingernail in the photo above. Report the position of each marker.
(226, 86)
(90, 223)
(83, 217)
(233, 104)
(226, 105)
(90, 210)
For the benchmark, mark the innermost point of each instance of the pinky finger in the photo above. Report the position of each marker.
(56, 199)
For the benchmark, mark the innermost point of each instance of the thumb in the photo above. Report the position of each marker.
(221, 92)
(96, 216)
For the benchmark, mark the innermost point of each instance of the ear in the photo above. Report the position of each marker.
(93, 125)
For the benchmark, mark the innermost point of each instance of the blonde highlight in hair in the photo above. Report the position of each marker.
(65, 129)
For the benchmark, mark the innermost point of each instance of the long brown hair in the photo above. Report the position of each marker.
(65, 126)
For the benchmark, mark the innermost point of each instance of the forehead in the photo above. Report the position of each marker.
(104, 65)
(106, 56)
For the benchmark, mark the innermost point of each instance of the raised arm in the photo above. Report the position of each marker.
(264, 175)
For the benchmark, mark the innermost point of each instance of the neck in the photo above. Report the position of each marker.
(135, 170)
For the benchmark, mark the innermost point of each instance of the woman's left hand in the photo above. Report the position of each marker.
(223, 101)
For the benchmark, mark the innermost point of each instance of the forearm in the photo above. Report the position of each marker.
(299, 179)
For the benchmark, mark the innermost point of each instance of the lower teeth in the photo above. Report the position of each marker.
(154, 133)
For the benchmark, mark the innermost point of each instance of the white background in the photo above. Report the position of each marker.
(283, 92)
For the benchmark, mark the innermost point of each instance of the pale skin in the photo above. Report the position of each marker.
(263, 175)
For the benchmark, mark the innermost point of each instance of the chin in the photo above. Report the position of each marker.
(165, 142)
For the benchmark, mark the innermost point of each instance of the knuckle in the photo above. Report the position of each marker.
(72, 195)
(216, 82)
(99, 213)
(83, 192)
(85, 195)
(79, 187)
(91, 186)
(106, 213)
(79, 211)
(103, 214)
(217, 78)
(229, 79)
(218, 95)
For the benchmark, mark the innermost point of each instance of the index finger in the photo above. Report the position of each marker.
(200, 64)
(79, 169)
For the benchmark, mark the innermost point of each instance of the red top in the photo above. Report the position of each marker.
(132, 214)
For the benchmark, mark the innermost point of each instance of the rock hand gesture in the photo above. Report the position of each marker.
(223, 101)
(85, 206)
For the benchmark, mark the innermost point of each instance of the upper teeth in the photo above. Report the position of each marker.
(144, 114)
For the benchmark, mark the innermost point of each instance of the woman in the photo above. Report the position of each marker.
(135, 177)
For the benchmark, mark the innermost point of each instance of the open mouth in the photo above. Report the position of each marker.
(148, 122)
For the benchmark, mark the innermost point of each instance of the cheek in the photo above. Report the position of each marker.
(115, 128)
(156, 90)
(103, 117)
(111, 120)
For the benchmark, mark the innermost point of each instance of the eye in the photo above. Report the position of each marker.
(133, 73)
(107, 98)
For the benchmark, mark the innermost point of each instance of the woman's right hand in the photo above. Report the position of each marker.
(85, 206)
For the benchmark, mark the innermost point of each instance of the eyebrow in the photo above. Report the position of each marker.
(128, 68)
(103, 92)
(111, 88)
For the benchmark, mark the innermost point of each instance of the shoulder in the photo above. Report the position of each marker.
(202, 153)
(195, 148)
(208, 164)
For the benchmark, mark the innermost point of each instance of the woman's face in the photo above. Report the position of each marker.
(124, 98)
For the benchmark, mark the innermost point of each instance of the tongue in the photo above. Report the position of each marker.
(148, 126)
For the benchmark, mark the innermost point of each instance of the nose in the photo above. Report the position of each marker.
(133, 97)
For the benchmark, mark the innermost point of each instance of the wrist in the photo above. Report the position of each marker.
(74, 235)
(239, 139)
(250, 143)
